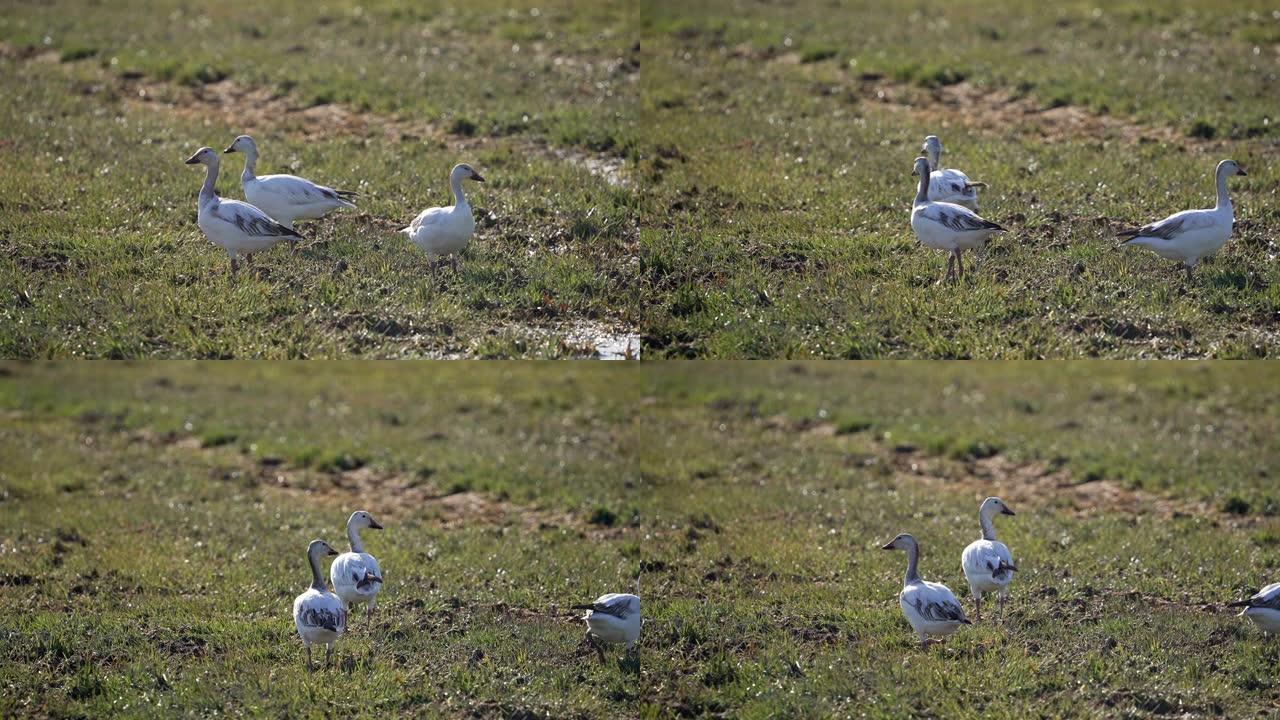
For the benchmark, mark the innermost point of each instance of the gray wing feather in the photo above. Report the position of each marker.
(964, 221)
(326, 619)
(940, 612)
(616, 607)
(253, 224)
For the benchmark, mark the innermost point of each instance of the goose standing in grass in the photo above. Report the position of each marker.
(613, 618)
(356, 576)
(237, 227)
(441, 231)
(1191, 234)
(1263, 609)
(948, 185)
(320, 615)
(987, 563)
(931, 608)
(947, 226)
(286, 198)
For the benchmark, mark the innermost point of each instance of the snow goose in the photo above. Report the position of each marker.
(948, 185)
(1191, 234)
(613, 618)
(286, 198)
(356, 576)
(947, 226)
(1263, 609)
(931, 608)
(987, 563)
(440, 231)
(320, 615)
(237, 227)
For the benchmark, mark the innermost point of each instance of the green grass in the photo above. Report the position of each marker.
(148, 571)
(775, 217)
(101, 256)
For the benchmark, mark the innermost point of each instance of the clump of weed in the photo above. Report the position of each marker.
(850, 426)
(463, 126)
(603, 516)
(77, 52)
(817, 54)
(217, 438)
(340, 461)
(1203, 130)
(1235, 505)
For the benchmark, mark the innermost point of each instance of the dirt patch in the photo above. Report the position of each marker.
(397, 495)
(1035, 483)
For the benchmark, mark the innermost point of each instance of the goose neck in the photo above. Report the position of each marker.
(922, 195)
(455, 184)
(317, 580)
(1224, 201)
(988, 529)
(353, 535)
(250, 164)
(913, 564)
(207, 192)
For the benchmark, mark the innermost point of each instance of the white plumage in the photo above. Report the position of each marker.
(947, 226)
(1263, 609)
(987, 563)
(320, 616)
(356, 576)
(613, 618)
(237, 227)
(445, 231)
(948, 185)
(931, 608)
(286, 198)
(1191, 235)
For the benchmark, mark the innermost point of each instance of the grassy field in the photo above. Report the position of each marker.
(99, 252)
(776, 142)
(154, 518)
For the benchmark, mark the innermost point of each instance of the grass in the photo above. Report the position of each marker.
(775, 217)
(101, 255)
(148, 571)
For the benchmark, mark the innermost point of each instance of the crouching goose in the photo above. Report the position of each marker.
(286, 198)
(613, 618)
(1263, 609)
(987, 563)
(948, 185)
(320, 615)
(237, 227)
(931, 608)
(1191, 234)
(356, 576)
(441, 231)
(947, 226)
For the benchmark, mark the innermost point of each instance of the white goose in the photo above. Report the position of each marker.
(237, 227)
(440, 231)
(947, 226)
(987, 563)
(356, 576)
(1263, 609)
(286, 198)
(948, 185)
(931, 608)
(320, 615)
(1191, 234)
(613, 618)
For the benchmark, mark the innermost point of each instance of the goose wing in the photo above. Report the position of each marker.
(616, 604)
(301, 191)
(427, 217)
(1171, 227)
(957, 218)
(250, 220)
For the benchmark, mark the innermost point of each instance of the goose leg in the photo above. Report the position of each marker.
(1003, 597)
(235, 265)
(951, 269)
(453, 260)
(310, 667)
(1189, 269)
(960, 262)
(328, 655)
(924, 642)
(977, 607)
(595, 644)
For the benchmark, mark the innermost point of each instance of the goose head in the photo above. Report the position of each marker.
(244, 144)
(921, 168)
(995, 504)
(904, 541)
(463, 171)
(362, 519)
(320, 548)
(932, 148)
(204, 156)
(1230, 167)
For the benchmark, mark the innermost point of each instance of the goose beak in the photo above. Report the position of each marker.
(193, 160)
(477, 177)
(914, 172)
(332, 552)
(229, 150)
(1240, 171)
(1007, 511)
(373, 524)
(888, 547)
